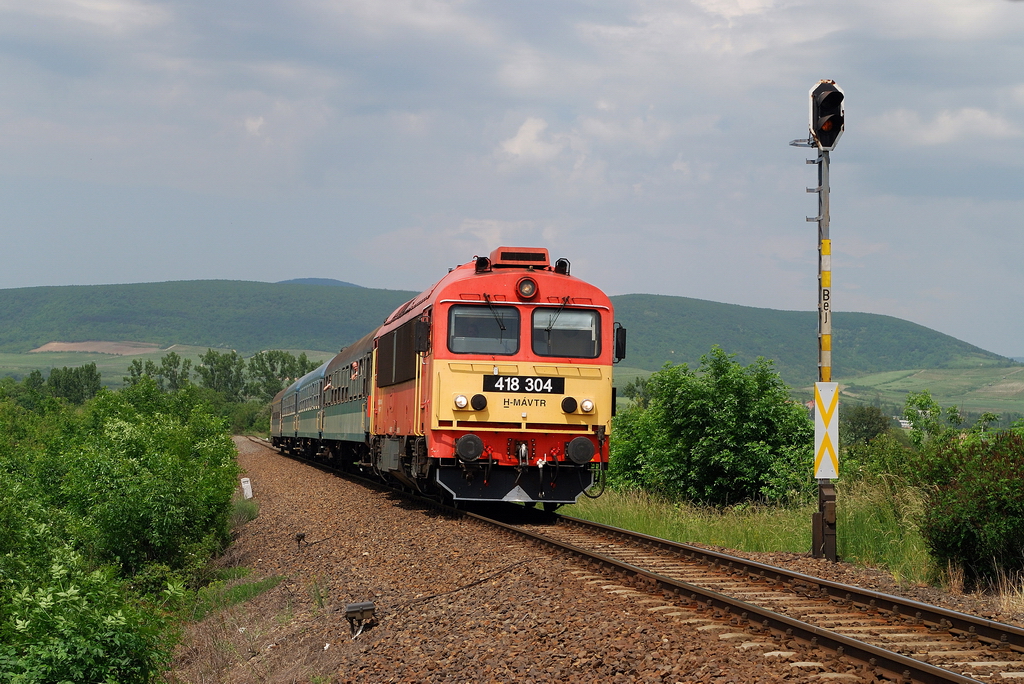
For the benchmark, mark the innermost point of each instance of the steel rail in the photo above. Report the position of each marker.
(989, 631)
(880, 661)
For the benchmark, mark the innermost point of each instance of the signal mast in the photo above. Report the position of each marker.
(827, 121)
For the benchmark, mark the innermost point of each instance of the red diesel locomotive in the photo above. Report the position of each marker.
(493, 385)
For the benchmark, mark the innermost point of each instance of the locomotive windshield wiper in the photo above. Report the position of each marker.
(551, 324)
(487, 298)
(565, 300)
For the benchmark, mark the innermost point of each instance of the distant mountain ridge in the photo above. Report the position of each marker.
(250, 316)
(317, 281)
(680, 329)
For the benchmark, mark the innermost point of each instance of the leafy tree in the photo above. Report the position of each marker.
(29, 393)
(270, 370)
(974, 513)
(172, 374)
(722, 434)
(928, 428)
(175, 371)
(985, 420)
(74, 384)
(638, 391)
(861, 424)
(137, 370)
(155, 477)
(34, 381)
(925, 416)
(222, 372)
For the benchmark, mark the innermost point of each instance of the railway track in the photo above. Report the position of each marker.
(890, 637)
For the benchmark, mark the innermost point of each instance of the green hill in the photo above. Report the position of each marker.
(246, 316)
(680, 329)
(250, 316)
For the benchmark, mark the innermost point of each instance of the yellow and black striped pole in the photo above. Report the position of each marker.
(824, 275)
(824, 521)
(825, 311)
(827, 123)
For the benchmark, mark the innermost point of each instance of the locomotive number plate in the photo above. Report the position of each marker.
(524, 384)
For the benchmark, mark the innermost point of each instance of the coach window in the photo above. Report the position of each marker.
(474, 329)
(566, 332)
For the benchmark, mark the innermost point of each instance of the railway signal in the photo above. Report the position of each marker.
(827, 123)
(827, 116)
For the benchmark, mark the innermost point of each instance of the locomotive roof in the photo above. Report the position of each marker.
(502, 261)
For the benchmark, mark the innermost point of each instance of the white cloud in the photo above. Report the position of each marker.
(526, 68)
(254, 124)
(940, 19)
(486, 234)
(732, 9)
(431, 130)
(948, 126)
(530, 146)
(113, 15)
(382, 17)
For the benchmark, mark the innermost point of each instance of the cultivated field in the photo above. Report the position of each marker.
(974, 389)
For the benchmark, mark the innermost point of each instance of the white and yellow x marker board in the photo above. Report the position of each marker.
(826, 430)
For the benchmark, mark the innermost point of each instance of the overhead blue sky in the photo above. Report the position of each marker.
(382, 141)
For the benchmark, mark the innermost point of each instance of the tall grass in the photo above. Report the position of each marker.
(875, 524)
(750, 527)
(221, 595)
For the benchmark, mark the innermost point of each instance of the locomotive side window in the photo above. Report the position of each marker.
(566, 332)
(483, 329)
(396, 356)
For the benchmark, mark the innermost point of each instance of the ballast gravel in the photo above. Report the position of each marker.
(455, 601)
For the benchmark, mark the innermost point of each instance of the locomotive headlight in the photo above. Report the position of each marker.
(586, 406)
(461, 401)
(527, 288)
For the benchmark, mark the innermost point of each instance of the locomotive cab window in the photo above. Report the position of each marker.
(566, 332)
(483, 329)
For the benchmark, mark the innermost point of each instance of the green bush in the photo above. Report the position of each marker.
(974, 514)
(156, 486)
(885, 455)
(720, 435)
(60, 619)
(103, 509)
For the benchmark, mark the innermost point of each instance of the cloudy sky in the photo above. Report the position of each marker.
(382, 141)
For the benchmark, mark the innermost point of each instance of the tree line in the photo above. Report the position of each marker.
(75, 385)
(259, 379)
(236, 389)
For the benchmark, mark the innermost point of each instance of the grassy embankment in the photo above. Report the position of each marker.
(875, 525)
